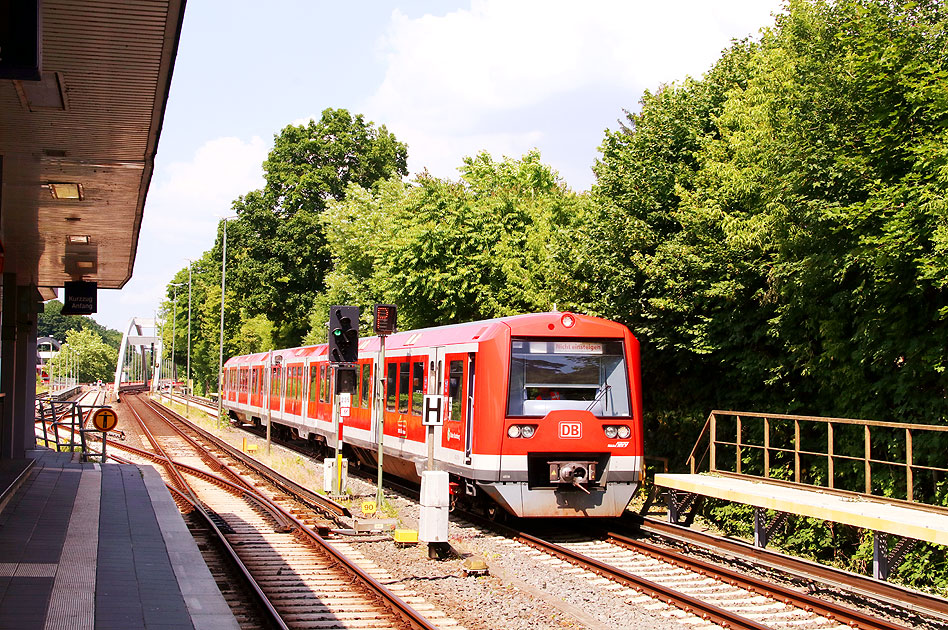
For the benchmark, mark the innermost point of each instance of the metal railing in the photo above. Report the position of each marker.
(63, 428)
(891, 459)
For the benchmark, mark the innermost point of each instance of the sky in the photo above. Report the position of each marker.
(450, 79)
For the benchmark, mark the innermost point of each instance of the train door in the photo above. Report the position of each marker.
(276, 387)
(456, 387)
(469, 408)
(256, 374)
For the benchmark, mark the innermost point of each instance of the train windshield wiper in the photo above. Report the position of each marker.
(605, 387)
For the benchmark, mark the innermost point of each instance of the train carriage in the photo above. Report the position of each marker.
(542, 416)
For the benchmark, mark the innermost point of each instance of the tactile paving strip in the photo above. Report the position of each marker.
(72, 604)
(27, 569)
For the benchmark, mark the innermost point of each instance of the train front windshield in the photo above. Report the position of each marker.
(568, 374)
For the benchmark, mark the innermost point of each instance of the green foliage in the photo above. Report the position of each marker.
(279, 247)
(87, 351)
(446, 251)
(775, 233)
(52, 323)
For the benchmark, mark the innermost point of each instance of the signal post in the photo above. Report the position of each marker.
(385, 319)
(343, 358)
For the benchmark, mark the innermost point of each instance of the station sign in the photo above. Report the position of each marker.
(104, 419)
(21, 42)
(79, 298)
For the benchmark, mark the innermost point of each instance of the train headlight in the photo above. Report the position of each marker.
(521, 430)
(611, 431)
(568, 320)
(624, 432)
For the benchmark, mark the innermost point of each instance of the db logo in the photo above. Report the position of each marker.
(571, 430)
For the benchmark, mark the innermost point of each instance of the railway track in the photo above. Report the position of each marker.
(305, 581)
(817, 578)
(726, 598)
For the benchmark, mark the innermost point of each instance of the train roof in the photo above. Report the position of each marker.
(527, 325)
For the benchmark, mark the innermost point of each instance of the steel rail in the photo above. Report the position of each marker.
(185, 492)
(283, 525)
(321, 503)
(396, 604)
(692, 605)
(803, 569)
(182, 498)
(830, 610)
(220, 466)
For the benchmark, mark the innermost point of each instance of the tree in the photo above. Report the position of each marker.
(776, 231)
(52, 323)
(279, 246)
(89, 353)
(448, 251)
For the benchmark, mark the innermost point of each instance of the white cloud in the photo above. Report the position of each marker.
(448, 77)
(192, 196)
(185, 202)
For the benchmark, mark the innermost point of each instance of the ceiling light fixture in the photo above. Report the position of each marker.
(65, 190)
(79, 239)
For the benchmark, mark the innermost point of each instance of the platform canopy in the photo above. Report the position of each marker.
(77, 146)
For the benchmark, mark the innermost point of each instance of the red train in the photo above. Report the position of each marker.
(543, 413)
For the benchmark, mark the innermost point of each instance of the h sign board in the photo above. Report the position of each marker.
(433, 412)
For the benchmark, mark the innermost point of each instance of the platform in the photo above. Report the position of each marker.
(86, 546)
(877, 515)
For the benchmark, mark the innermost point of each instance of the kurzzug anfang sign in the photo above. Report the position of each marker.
(79, 298)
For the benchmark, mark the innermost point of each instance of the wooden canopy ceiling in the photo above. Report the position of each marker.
(94, 120)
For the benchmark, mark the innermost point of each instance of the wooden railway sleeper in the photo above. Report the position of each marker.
(852, 617)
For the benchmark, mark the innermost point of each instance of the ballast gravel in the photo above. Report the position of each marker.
(524, 588)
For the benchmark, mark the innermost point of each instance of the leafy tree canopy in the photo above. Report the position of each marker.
(450, 251)
(87, 351)
(278, 246)
(52, 323)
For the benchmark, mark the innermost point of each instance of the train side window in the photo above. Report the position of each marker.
(390, 387)
(313, 383)
(455, 383)
(366, 385)
(417, 387)
(327, 383)
(404, 389)
(322, 383)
